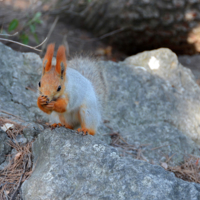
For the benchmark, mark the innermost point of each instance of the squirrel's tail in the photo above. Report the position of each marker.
(95, 72)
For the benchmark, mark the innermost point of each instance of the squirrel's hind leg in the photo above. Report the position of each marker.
(89, 120)
(64, 122)
(57, 120)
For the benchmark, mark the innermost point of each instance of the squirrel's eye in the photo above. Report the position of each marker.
(39, 84)
(59, 88)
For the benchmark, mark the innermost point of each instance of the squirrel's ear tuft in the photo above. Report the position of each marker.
(61, 61)
(48, 58)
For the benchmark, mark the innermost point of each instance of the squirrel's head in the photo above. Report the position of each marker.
(52, 83)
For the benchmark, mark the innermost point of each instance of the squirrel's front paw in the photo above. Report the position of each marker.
(50, 105)
(42, 103)
(43, 100)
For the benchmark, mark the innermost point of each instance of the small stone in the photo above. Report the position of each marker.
(164, 165)
(7, 126)
(21, 139)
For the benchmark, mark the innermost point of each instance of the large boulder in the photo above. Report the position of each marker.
(71, 167)
(155, 100)
(18, 83)
(20, 73)
(168, 92)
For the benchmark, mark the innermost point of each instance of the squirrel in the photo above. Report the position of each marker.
(72, 93)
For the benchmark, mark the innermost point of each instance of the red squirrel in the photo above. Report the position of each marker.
(72, 93)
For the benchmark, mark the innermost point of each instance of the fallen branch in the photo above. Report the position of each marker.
(9, 34)
(20, 181)
(160, 147)
(5, 194)
(118, 141)
(50, 32)
(18, 170)
(170, 158)
(188, 171)
(24, 45)
(108, 34)
(5, 112)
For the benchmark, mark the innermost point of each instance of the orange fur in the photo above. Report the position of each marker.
(56, 125)
(61, 58)
(48, 57)
(68, 126)
(60, 105)
(49, 84)
(83, 126)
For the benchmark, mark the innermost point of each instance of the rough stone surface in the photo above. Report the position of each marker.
(32, 130)
(73, 167)
(153, 100)
(166, 94)
(4, 147)
(192, 62)
(155, 106)
(20, 73)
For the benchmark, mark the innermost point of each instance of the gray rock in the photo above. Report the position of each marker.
(4, 147)
(20, 139)
(158, 107)
(31, 130)
(72, 167)
(12, 154)
(20, 73)
(167, 94)
(192, 62)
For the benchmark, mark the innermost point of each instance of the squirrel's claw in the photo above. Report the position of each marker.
(43, 100)
(82, 131)
(86, 131)
(55, 125)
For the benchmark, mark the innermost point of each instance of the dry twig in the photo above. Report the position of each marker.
(9, 35)
(108, 34)
(188, 171)
(160, 147)
(24, 45)
(16, 172)
(18, 129)
(3, 111)
(118, 141)
(50, 31)
(170, 158)
(20, 164)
